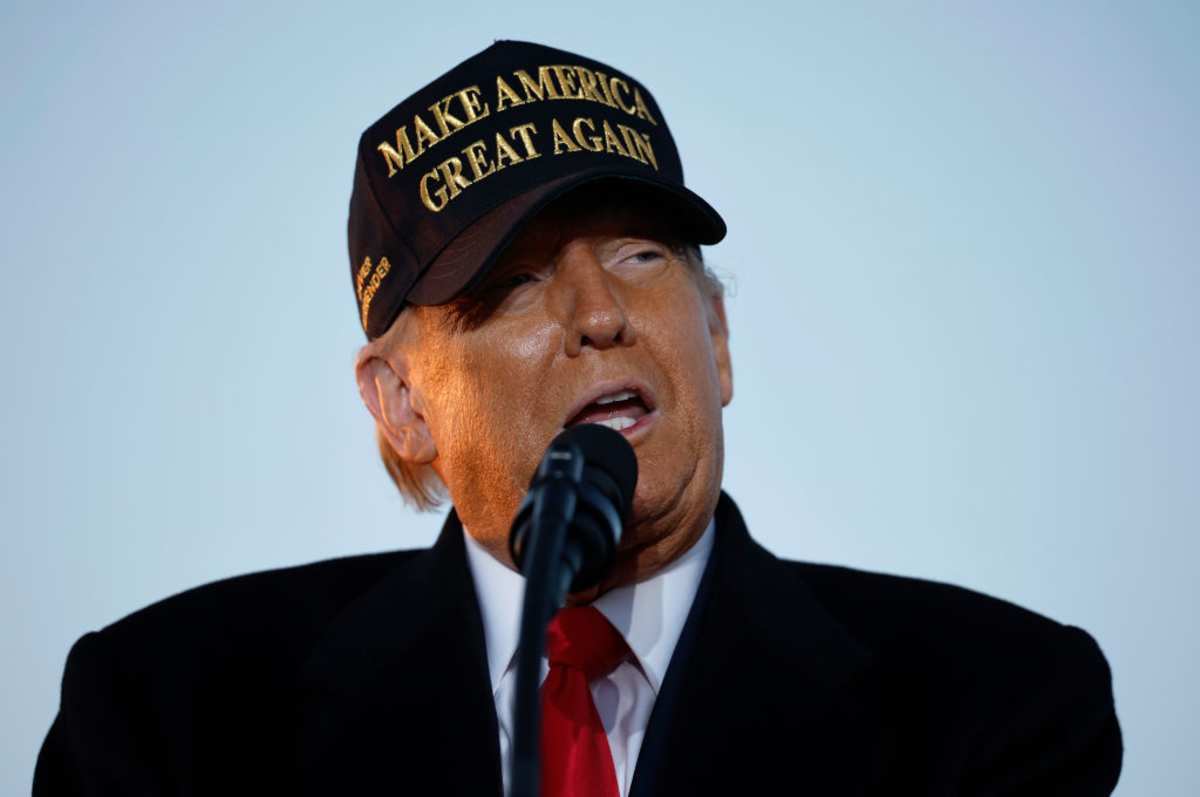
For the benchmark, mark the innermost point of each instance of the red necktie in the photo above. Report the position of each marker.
(576, 762)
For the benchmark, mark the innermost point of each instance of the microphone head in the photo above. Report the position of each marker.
(601, 472)
(608, 452)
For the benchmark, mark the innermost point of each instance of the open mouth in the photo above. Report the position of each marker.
(619, 409)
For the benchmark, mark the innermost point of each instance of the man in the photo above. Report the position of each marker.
(526, 258)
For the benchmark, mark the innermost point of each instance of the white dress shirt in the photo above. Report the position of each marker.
(650, 615)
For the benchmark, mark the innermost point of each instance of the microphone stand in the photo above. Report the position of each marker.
(565, 535)
(546, 588)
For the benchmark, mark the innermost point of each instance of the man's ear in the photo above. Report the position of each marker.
(389, 400)
(718, 329)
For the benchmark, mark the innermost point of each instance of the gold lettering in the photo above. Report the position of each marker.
(363, 270)
(373, 286)
(476, 153)
(526, 133)
(577, 129)
(452, 176)
(642, 111)
(615, 84)
(505, 150)
(446, 122)
(396, 159)
(473, 108)
(611, 142)
(505, 95)
(630, 137)
(566, 80)
(587, 85)
(561, 139)
(425, 135)
(646, 150)
(440, 193)
(471, 103)
(542, 89)
(393, 159)
(602, 79)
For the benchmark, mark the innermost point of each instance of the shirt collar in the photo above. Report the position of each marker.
(649, 614)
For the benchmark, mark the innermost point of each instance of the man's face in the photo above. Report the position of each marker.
(592, 314)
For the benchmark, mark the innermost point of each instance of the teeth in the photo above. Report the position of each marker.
(609, 399)
(618, 423)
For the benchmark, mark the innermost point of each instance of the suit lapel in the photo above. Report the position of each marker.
(764, 688)
(396, 695)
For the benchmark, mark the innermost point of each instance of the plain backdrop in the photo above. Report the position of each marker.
(963, 252)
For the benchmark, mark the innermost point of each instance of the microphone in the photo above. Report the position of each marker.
(585, 482)
(564, 539)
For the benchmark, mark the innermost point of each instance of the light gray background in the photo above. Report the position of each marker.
(965, 333)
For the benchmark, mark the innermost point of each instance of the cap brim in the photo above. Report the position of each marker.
(474, 251)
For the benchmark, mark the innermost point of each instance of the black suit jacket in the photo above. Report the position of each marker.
(368, 675)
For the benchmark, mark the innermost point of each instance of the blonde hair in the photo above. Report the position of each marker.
(423, 489)
(419, 485)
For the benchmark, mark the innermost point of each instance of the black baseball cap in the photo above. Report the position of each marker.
(447, 178)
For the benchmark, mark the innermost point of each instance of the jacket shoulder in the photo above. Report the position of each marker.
(947, 621)
(252, 621)
(147, 689)
(312, 586)
(880, 604)
(1008, 678)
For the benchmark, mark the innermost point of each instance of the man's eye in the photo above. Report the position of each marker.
(517, 279)
(646, 256)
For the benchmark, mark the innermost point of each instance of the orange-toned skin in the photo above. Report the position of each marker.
(579, 298)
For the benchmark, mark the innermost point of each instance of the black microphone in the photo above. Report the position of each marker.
(564, 539)
(585, 482)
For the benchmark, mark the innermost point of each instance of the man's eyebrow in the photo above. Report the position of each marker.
(663, 238)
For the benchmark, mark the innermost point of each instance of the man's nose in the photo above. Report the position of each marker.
(591, 301)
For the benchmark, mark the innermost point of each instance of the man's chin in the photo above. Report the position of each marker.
(661, 505)
(649, 538)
